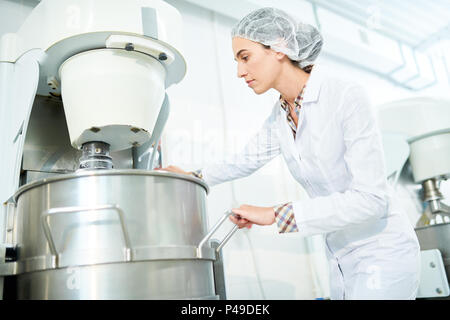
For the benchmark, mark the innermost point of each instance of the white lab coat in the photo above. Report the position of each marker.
(337, 157)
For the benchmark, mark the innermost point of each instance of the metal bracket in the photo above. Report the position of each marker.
(433, 279)
(218, 270)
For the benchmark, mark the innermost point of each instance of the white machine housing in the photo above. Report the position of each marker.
(110, 60)
(111, 95)
(425, 123)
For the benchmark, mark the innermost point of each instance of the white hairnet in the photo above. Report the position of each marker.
(272, 27)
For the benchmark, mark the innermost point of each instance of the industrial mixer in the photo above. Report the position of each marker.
(83, 106)
(424, 122)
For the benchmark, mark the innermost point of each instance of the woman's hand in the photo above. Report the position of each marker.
(250, 215)
(174, 169)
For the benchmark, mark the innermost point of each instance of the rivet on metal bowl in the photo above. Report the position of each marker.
(432, 265)
(95, 129)
(135, 130)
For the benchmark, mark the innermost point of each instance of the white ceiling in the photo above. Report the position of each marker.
(417, 23)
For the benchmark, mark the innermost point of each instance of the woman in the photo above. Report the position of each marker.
(326, 131)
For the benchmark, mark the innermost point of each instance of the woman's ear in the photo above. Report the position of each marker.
(279, 55)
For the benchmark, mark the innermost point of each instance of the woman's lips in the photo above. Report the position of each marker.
(249, 83)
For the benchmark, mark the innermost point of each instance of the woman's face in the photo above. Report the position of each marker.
(258, 66)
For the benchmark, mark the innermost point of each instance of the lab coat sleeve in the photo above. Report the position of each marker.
(263, 147)
(366, 198)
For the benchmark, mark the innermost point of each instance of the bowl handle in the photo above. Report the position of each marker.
(214, 229)
(65, 210)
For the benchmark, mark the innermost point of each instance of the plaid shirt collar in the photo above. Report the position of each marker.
(297, 102)
(298, 105)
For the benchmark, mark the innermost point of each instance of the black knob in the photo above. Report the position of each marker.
(11, 254)
(129, 47)
(162, 56)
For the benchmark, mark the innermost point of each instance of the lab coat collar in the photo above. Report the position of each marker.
(313, 84)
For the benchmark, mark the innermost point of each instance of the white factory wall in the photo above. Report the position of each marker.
(13, 14)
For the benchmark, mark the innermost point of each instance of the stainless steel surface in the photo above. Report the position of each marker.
(29, 176)
(219, 273)
(436, 237)
(83, 220)
(9, 223)
(96, 156)
(213, 230)
(47, 145)
(8, 269)
(65, 211)
(438, 207)
(435, 208)
(133, 172)
(150, 253)
(431, 190)
(176, 279)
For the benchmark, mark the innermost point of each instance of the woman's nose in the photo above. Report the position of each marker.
(241, 72)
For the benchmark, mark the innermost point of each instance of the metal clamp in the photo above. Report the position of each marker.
(54, 211)
(214, 229)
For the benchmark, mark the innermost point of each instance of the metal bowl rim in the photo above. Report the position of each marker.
(111, 172)
(433, 225)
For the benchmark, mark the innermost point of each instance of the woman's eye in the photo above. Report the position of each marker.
(245, 58)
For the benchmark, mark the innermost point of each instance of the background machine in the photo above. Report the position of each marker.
(82, 106)
(417, 132)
